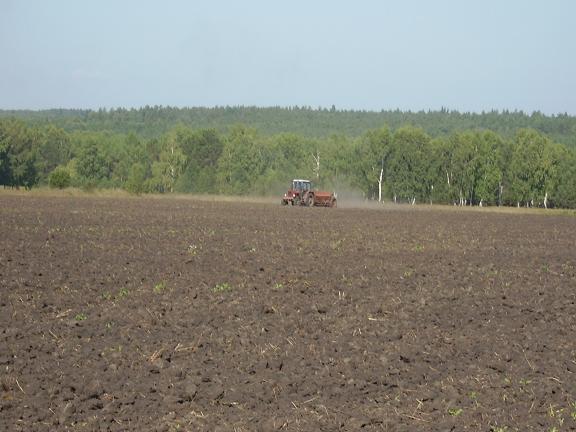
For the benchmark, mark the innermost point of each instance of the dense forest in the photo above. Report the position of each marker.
(152, 122)
(494, 158)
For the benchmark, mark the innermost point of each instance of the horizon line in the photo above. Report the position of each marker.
(319, 108)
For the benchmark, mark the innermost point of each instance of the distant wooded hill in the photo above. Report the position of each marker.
(152, 122)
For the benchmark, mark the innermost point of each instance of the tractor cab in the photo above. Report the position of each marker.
(301, 185)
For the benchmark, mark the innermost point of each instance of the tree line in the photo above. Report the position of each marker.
(406, 164)
(154, 121)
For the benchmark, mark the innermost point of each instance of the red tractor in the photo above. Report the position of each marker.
(301, 193)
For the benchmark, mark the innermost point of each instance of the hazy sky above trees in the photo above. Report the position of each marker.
(419, 54)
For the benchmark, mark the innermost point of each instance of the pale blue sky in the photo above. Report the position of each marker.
(363, 54)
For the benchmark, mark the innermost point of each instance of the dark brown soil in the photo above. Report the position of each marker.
(180, 314)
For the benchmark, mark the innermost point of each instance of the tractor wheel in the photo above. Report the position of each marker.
(310, 200)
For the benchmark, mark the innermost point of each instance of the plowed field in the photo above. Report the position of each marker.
(188, 315)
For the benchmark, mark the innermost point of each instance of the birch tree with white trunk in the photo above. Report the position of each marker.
(371, 154)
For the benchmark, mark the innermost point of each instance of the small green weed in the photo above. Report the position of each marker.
(223, 287)
(278, 286)
(123, 292)
(193, 249)
(107, 296)
(407, 274)
(249, 248)
(455, 412)
(175, 427)
(80, 317)
(160, 287)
